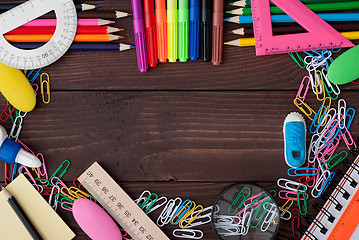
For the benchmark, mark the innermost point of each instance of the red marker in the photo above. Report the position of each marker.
(151, 35)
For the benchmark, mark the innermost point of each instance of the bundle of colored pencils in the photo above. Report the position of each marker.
(347, 23)
(92, 34)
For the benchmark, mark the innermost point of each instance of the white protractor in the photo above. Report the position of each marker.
(51, 51)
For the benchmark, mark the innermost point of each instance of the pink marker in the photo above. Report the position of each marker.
(86, 22)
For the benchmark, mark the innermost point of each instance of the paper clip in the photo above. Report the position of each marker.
(342, 108)
(7, 115)
(158, 204)
(67, 206)
(310, 113)
(28, 174)
(142, 197)
(16, 128)
(295, 224)
(346, 137)
(326, 184)
(190, 216)
(298, 59)
(268, 219)
(168, 211)
(350, 115)
(319, 79)
(334, 159)
(188, 233)
(259, 200)
(257, 212)
(45, 81)
(68, 194)
(7, 171)
(288, 195)
(318, 185)
(303, 90)
(78, 193)
(273, 192)
(181, 211)
(201, 216)
(52, 198)
(42, 174)
(67, 162)
(58, 182)
(303, 193)
(149, 201)
(239, 196)
(318, 119)
(35, 75)
(287, 184)
(330, 87)
(297, 172)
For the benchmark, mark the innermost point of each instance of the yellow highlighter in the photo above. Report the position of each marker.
(17, 89)
(172, 30)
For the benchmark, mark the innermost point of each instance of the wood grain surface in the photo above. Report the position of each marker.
(182, 129)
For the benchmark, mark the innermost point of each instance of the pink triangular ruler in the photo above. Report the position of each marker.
(320, 34)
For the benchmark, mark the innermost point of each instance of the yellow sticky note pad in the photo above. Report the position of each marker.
(46, 221)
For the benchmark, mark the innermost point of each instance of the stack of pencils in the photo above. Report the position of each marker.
(184, 29)
(347, 22)
(92, 34)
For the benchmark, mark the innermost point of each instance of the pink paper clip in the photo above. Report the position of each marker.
(347, 136)
(289, 195)
(302, 91)
(28, 174)
(6, 113)
(25, 147)
(59, 182)
(42, 173)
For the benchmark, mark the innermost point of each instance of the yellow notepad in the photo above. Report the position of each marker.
(46, 221)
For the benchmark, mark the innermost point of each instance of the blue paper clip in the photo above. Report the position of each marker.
(349, 118)
(306, 173)
(181, 211)
(32, 80)
(326, 184)
(316, 120)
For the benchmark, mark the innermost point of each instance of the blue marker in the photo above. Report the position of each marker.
(194, 30)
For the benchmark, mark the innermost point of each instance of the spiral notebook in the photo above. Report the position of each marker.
(339, 217)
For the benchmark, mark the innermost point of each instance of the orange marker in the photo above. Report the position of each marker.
(161, 23)
(78, 38)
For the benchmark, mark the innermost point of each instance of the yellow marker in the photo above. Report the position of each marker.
(16, 88)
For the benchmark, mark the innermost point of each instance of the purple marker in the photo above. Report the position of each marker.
(140, 36)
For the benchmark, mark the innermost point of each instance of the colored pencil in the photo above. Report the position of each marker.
(94, 14)
(316, 7)
(83, 46)
(247, 3)
(80, 22)
(247, 42)
(79, 7)
(283, 18)
(78, 38)
(51, 30)
(248, 31)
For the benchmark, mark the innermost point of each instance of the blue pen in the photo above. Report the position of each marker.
(194, 30)
(282, 18)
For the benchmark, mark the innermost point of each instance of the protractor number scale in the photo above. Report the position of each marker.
(119, 205)
(51, 51)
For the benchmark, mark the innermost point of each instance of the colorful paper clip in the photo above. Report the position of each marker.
(304, 204)
(62, 166)
(5, 114)
(302, 171)
(295, 224)
(239, 196)
(45, 84)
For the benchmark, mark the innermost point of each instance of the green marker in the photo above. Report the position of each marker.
(183, 30)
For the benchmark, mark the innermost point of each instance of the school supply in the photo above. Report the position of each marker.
(245, 211)
(94, 221)
(12, 152)
(194, 29)
(20, 214)
(217, 32)
(172, 30)
(338, 217)
(79, 7)
(51, 30)
(16, 88)
(45, 88)
(344, 68)
(84, 46)
(78, 38)
(316, 7)
(140, 35)
(51, 51)
(94, 14)
(119, 205)
(206, 30)
(47, 223)
(320, 34)
(87, 22)
(247, 3)
(151, 35)
(294, 132)
(183, 30)
(161, 29)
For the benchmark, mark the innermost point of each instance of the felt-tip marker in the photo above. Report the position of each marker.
(172, 30)
(161, 25)
(206, 30)
(140, 35)
(151, 35)
(183, 30)
(194, 26)
(217, 31)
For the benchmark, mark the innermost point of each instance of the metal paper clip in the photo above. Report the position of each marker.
(349, 115)
(342, 108)
(318, 184)
(78, 193)
(149, 201)
(318, 80)
(261, 211)
(42, 174)
(67, 206)
(158, 204)
(190, 216)
(188, 233)
(168, 211)
(68, 194)
(336, 159)
(285, 207)
(7, 171)
(35, 75)
(57, 183)
(28, 174)
(268, 219)
(330, 87)
(181, 211)
(318, 119)
(45, 81)
(297, 172)
(303, 90)
(16, 128)
(307, 111)
(203, 215)
(62, 165)
(348, 139)
(326, 184)
(142, 197)
(7, 115)
(298, 59)
(295, 223)
(288, 195)
(239, 196)
(287, 184)
(304, 204)
(52, 198)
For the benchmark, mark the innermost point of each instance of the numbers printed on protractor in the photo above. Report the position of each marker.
(119, 205)
(51, 51)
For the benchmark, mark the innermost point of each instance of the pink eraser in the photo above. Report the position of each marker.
(94, 221)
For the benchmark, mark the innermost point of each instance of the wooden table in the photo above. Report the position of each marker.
(183, 129)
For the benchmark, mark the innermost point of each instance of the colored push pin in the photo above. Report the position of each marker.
(12, 152)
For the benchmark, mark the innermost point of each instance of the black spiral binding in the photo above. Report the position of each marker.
(340, 189)
(353, 183)
(350, 164)
(337, 204)
(320, 208)
(306, 233)
(311, 219)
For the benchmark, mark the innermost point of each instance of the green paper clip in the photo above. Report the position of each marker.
(59, 168)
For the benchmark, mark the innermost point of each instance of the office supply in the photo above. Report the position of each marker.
(20, 214)
(151, 34)
(94, 14)
(183, 30)
(172, 30)
(94, 221)
(47, 223)
(206, 30)
(84, 46)
(78, 38)
(51, 51)
(247, 3)
(217, 32)
(344, 69)
(320, 34)
(79, 7)
(45, 85)
(119, 205)
(140, 35)
(80, 22)
(51, 30)
(339, 213)
(161, 29)
(316, 7)
(194, 29)
(16, 88)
